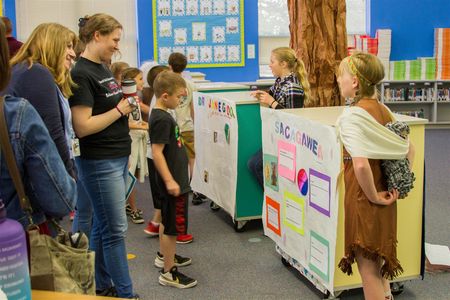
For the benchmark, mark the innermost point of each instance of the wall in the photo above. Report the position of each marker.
(247, 73)
(412, 23)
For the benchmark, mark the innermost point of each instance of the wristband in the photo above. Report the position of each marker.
(120, 112)
(272, 103)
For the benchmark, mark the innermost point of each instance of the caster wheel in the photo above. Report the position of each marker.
(397, 288)
(213, 206)
(239, 226)
(285, 262)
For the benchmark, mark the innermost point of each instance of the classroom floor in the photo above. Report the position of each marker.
(230, 265)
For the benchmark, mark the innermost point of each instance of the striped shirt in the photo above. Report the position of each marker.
(288, 92)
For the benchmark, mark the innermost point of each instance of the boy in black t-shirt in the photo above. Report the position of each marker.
(171, 162)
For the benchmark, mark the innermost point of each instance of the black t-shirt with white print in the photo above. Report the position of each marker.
(98, 89)
(164, 130)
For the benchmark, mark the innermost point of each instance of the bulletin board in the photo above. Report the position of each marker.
(209, 32)
(301, 166)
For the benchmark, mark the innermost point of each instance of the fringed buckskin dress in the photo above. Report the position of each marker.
(369, 228)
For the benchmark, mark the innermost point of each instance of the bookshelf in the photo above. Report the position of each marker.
(429, 99)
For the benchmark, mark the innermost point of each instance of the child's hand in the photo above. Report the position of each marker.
(386, 197)
(173, 188)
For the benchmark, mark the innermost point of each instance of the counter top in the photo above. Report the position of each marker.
(242, 97)
(211, 86)
(329, 115)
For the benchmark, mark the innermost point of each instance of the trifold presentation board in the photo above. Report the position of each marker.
(303, 210)
(227, 133)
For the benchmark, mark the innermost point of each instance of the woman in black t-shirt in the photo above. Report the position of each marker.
(100, 122)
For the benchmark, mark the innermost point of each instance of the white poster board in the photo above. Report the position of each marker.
(302, 160)
(216, 141)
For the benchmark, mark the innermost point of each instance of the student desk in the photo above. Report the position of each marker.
(313, 240)
(223, 144)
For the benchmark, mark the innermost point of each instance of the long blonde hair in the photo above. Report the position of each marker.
(296, 66)
(47, 45)
(368, 69)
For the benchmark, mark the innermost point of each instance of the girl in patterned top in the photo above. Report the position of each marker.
(291, 90)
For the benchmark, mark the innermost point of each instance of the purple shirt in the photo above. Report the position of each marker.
(14, 45)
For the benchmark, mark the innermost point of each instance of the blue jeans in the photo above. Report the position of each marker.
(104, 181)
(255, 165)
(83, 213)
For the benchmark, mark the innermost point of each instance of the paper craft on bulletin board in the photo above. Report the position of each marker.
(209, 32)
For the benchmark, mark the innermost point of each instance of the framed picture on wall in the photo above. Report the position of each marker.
(211, 32)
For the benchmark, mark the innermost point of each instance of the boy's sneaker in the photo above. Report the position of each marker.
(109, 292)
(176, 279)
(197, 198)
(136, 217)
(179, 261)
(184, 238)
(128, 209)
(152, 229)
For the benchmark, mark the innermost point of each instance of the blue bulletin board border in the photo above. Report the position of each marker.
(186, 22)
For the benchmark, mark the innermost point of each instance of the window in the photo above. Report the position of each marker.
(273, 26)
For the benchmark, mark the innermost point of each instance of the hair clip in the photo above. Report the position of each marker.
(82, 21)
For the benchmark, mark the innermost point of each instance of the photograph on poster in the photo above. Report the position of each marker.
(273, 215)
(220, 53)
(181, 50)
(178, 8)
(219, 7)
(232, 25)
(199, 31)
(294, 212)
(205, 54)
(206, 7)
(191, 7)
(164, 53)
(320, 191)
(192, 54)
(163, 8)
(286, 160)
(232, 7)
(218, 34)
(270, 170)
(165, 28)
(319, 255)
(180, 36)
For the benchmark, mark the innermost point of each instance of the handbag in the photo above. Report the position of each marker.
(397, 171)
(62, 264)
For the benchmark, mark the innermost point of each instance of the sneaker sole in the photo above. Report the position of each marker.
(152, 234)
(164, 281)
(160, 263)
(137, 221)
(184, 242)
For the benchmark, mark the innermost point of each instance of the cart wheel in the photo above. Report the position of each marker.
(214, 206)
(397, 288)
(285, 262)
(328, 295)
(239, 226)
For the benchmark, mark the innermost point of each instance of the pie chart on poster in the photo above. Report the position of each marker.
(302, 181)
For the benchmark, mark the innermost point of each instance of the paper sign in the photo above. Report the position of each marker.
(294, 212)
(320, 194)
(273, 215)
(286, 160)
(319, 256)
(270, 171)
